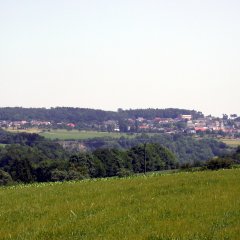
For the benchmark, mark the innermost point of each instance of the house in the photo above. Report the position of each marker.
(201, 129)
(72, 125)
(140, 119)
(185, 117)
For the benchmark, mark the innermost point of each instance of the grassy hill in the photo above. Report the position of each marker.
(200, 205)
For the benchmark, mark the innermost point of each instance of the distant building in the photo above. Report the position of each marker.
(191, 131)
(72, 125)
(185, 117)
(140, 119)
(201, 129)
(190, 124)
(144, 127)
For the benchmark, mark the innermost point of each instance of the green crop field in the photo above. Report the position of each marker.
(180, 206)
(80, 135)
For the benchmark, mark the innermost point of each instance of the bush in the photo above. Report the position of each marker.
(185, 166)
(218, 163)
(5, 178)
(75, 175)
(123, 172)
(58, 175)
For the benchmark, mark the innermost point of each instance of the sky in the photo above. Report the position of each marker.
(112, 54)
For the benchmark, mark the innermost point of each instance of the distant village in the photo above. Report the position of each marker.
(227, 125)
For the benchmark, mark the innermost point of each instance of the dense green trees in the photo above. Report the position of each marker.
(22, 163)
(157, 157)
(151, 113)
(186, 148)
(218, 163)
(5, 178)
(81, 115)
(30, 157)
(224, 161)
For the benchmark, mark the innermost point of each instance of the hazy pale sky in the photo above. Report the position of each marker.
(121, 54)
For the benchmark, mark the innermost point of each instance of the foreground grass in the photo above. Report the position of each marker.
(201, 205)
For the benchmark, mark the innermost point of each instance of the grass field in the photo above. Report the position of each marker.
(231, 142)
(29, 130)
(180, 206)
(63, 134)
(80, 135)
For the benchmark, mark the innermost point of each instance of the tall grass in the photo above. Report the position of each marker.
(199, 205)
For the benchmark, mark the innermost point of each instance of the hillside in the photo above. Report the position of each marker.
(201, 205)
(71, 114)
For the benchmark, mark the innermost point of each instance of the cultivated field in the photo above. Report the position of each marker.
(80, 135)
(231, 142)
(183, 206)
(63, 134)
(29, 130)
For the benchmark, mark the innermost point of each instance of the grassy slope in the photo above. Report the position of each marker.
(201, 205)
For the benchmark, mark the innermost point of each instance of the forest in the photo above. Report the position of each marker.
(41, 161)
(70, 114)
(185, 148)
(26, 157)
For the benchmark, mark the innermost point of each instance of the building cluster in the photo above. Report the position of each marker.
(209, 124)
(23, 124)
(183, 123)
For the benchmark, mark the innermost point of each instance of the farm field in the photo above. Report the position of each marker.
(231, 142)
(180, 206)
(29, 130)
(80, 135)
(64, 134)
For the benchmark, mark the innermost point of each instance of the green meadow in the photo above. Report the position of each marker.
(231, 142)
(28, 130)
(180, 206)
(63, 134)
(80, 135)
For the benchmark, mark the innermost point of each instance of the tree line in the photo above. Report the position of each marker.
(79, 115)
(185, 148)
(30, 157)
(22, 163)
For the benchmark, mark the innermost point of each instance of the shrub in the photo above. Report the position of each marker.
(218, 163)
(185, 166)
(123, 172)
(5, 178)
